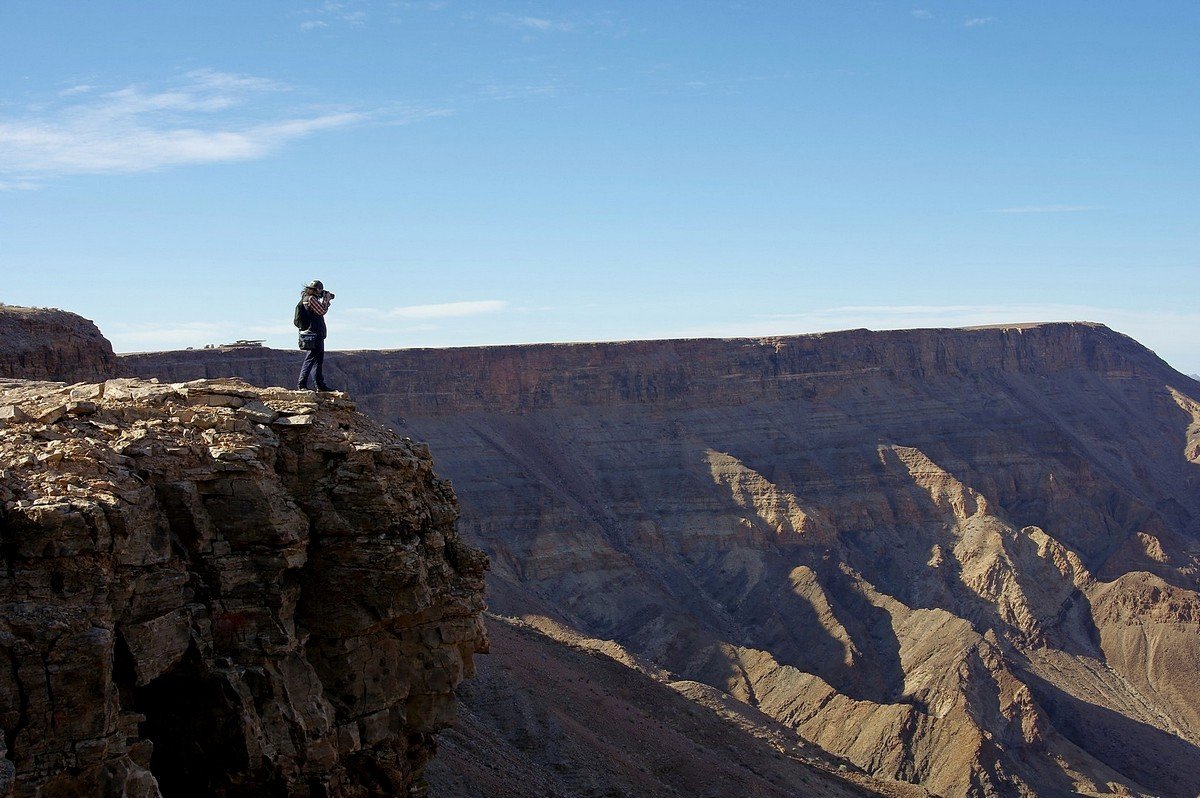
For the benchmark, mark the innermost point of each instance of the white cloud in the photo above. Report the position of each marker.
(207, 117)
(533, 23)
(519, 91)
(445, 310)
(1045, 209)
(83, 88)
(543, 24)
(225, 81)
(350, 13)
(975, 22)
(922, 13)
(407, 115)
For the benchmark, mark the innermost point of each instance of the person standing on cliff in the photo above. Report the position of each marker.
(314, 301)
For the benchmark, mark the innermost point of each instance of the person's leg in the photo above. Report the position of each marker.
(309, 361)
(318, 376)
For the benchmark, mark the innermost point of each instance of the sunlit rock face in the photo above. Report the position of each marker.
(49, 344)
(212, 589)
(964, 558)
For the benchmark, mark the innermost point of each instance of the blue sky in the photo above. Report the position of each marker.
(470, 173)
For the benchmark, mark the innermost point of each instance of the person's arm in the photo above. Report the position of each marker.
(318, 305)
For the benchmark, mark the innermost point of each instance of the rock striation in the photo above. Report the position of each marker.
(967, 559)
(212, 589)
(49, 344)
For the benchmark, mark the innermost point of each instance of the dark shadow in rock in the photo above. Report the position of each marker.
(192, 719)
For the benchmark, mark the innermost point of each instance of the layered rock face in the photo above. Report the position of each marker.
(963, 558)
(47, 344)
(211, 589)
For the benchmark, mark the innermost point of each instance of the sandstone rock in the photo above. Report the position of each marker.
(181, 587)
(257, 412)
(305, 420)
(86, 391)
(82, 408)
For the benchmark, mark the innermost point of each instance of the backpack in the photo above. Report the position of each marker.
(300, 317)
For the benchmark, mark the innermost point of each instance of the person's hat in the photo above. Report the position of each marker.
(317, 284)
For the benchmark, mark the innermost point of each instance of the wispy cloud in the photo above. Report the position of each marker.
(445, 310)
(18, 185)
(922, 13)
(349, 12)
(1045, 209)
(975, 22)
(500, 91)
(226, 81)
(206, 117)
(544, 24)
(534, 23)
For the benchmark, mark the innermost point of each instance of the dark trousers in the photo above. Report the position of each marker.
(314, 360)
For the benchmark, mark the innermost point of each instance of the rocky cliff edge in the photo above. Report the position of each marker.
(211, 589)
(50, 344)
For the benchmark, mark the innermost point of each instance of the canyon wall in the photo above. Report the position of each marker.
(212, 589)
(962, 558)
(668, 374)
(50, 344)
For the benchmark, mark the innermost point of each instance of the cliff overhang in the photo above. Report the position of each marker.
(210, 588)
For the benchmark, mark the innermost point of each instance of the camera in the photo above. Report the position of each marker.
(327, 294)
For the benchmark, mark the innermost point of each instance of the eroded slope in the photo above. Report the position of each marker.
(594, 721)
